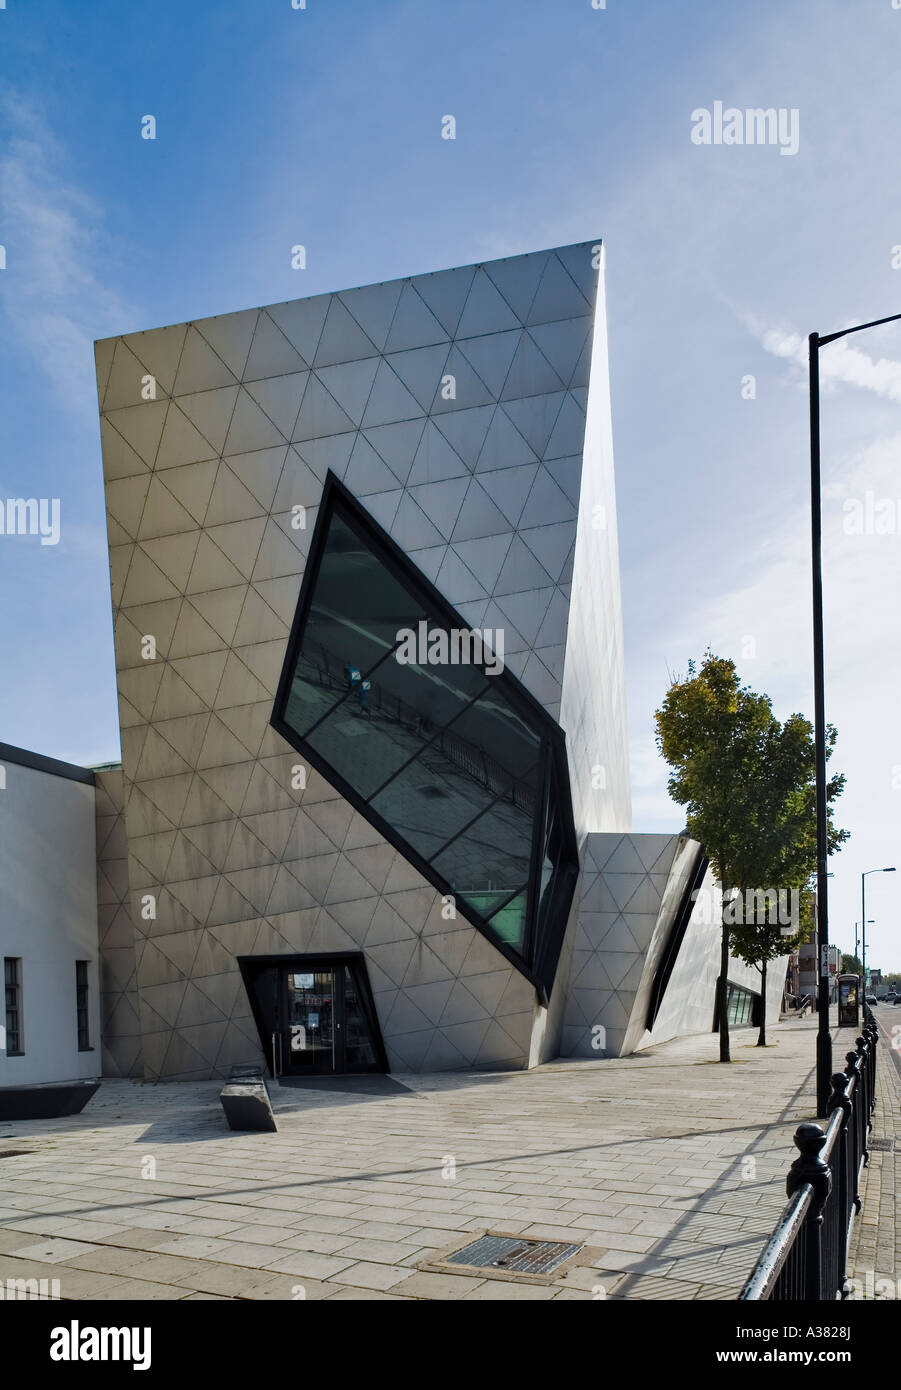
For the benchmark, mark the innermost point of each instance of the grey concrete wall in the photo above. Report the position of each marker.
(119, 1002)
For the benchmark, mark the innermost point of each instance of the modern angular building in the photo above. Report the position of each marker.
(373, 811)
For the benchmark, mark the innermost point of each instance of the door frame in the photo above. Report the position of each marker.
(253, 970)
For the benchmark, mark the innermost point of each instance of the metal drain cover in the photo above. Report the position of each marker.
(499, 1255)
(882, 1145)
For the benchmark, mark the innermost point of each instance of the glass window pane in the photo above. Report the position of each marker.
(399, 713)
(431, 801)
(309, 1002)
(494, 726)
(509, 921)
(355, 612)
(490, 861)
(359, 1051)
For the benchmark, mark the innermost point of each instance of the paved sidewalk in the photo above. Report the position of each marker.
(874, 1254)
(669, 1167)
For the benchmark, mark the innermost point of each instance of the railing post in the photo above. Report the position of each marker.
(864, 1049)
(873, 1033)
(811, 1167)
(843, 1166)
(860, 1113)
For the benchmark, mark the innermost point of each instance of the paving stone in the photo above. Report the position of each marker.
(343, 1295)
(52, 1251)
(140, 1290)
(306, 1263)
(505, 1291)
(371, 1276)
(249, 1255)
(382, 1251)
(423, 1285)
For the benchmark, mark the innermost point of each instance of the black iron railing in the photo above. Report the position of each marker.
(806, 1258)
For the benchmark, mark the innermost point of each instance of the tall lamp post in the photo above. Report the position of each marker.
(857, 936)
(863, 914)
(824, 1040)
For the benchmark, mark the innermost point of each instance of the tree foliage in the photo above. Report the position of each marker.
(748, 783)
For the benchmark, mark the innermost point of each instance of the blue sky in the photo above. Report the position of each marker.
(322, 126)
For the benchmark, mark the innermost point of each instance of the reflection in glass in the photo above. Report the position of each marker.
(457, 766)
(310, 1000)
(359, 1051)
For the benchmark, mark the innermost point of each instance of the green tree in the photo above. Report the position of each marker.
(748, 783)
(852, 965)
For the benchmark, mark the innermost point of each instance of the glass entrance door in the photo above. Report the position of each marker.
(322, 1025)
(312, 1020)
(315, 1013)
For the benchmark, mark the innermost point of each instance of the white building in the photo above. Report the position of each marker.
(50, 1031)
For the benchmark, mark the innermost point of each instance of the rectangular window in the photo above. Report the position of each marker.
(81, 1005)
(741, 1006)
(12, 981)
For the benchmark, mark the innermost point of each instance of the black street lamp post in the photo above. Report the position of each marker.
(857, 940)
(863, 929)
(824, 1039)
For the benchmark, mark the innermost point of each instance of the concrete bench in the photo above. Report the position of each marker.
(245, 1100)
(45, 1101)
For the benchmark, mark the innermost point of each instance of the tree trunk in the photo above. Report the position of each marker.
(761, 1037)
(721, 1005)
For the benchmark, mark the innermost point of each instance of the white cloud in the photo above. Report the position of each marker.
(51, 298)
(840, 362)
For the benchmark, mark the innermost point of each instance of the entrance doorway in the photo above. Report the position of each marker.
(315, 1014)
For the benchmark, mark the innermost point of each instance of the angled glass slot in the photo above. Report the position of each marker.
(459, 767)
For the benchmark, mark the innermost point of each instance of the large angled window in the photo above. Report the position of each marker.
(456, 764)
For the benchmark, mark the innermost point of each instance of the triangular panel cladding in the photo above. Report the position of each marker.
(631, 913)
(452, 406)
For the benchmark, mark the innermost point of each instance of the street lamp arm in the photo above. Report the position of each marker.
(843, 332)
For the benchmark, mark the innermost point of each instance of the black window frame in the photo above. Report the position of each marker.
(13, 986)
(82, 1005)
(667, 960)
(542, 941)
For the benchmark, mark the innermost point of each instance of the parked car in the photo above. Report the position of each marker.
(871, 1000)
(891, 997)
